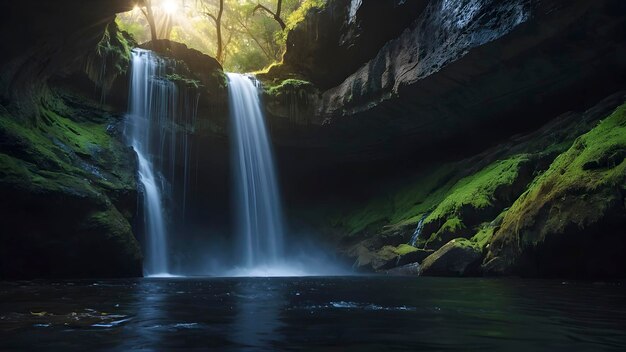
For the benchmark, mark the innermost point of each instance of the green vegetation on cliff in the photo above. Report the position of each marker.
(474, 199)
(569, 174)
(288, 86)
(110, 58)
(582, 186)
(403, 205)
(70, 170)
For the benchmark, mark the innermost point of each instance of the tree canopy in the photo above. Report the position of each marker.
(244, 35)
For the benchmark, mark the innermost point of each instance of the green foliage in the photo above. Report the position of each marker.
(250, 41)
(298, 16)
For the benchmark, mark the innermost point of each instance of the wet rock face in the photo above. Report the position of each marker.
(444, 32)
(39, 42)
(198, 65)
(201, 75)
(69, 193)
(465, 73)
(330, 44)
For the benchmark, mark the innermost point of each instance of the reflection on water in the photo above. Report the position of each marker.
(258, 304)
(345, 313)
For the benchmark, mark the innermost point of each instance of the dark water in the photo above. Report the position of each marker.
(339, 314)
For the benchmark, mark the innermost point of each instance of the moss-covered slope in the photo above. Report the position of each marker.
(507, 192)
(68, 193)
(577, 203)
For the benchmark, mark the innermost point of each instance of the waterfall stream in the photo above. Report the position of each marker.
(418, 230)
(158, 112)
(258, 206)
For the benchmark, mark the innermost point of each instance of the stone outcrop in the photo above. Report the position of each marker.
(459, 257)
(329, 45)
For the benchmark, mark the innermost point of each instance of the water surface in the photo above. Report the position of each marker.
(313, 313)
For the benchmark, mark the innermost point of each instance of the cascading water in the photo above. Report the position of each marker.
(418, 231)
(154, 121)
(259, 214)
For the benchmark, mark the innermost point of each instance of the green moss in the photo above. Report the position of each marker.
(64, 150)
(404, 249)
(452, 228)
(82, 137)
(289, 86)
(578, 187)
(116, 227)
(25, 176)
(452, 225)
(177, 78)
(486, 231)
(116, 45)
(33, 145)
(483, 237)
(400, 204)
(478, 190)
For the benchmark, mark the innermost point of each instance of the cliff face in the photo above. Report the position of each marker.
(69, 193)
(331, 44)
(460, 66)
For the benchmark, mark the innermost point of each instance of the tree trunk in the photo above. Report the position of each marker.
(275, 15)
(218, 26)
(150, 17)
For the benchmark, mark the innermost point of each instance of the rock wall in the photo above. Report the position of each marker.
(462, 76)
(67, 182)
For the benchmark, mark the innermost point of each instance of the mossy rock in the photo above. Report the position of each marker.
(459, 257)
(71, 171)
(477, 198)
(578, 197)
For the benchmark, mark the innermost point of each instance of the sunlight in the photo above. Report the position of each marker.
(170, 6)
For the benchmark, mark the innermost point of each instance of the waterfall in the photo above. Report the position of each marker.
(418, 230)
(354, 7)
(258, 206)
(155, 120)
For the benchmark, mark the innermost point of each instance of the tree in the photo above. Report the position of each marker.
(146, 8)
(275, 15)
(218, 28)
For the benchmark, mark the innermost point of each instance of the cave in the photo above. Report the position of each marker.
(313, 174)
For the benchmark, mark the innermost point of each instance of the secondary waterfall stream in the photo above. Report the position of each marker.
(258, 207)
(159, 120)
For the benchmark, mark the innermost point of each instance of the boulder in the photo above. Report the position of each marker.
(459, 257)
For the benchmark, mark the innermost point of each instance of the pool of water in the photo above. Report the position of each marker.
(312, 313)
